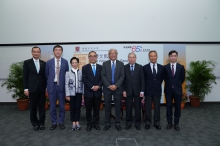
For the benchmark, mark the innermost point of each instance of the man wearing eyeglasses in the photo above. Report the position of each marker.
(91, 77)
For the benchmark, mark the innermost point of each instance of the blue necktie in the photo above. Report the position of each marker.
(113, 73)
(132, 70)
(37, 66)
(93, 69)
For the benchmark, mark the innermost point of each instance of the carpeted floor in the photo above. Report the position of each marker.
(199, 127)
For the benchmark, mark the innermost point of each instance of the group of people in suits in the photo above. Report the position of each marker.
(113, 79)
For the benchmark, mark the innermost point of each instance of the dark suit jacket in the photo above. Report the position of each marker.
(50, 74)
(106, 75)
(90, 80)
(133, 83)
(177, 80)
(153, 86)
(31, 79)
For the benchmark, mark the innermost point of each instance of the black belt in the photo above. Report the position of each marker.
(55, 82)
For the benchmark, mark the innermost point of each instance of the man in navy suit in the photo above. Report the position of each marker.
(91, 77)
(133, 90)
(174, 76)
(56, 69)
(34, 82)
(153, 73)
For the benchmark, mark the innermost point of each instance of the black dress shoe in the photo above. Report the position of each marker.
(118, 127)
(169, 125)
(89, 127)
(53, 127)
(127, 127)
(157, 126)
(62, 126)
(36, 128)
(96, 126)
(176, 127)
(106, 127)
(147, 127)
(42, 127)
(138, 127)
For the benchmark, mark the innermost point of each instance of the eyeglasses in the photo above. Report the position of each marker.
(92, 56)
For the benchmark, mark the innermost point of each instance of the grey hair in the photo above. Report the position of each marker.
(112, 49)
(151, 52)
(132, 53)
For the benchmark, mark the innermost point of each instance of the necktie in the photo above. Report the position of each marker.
(58, 71)
(113, 73)
(37, 66)
(172, 70)
(132, 70)
(93, 69)
(154, 71)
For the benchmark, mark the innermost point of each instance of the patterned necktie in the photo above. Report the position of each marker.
(154, 71)
(93, 69)
(172, 70)
(37, 66)
(58, 70)
(113, 73)
(132, 70)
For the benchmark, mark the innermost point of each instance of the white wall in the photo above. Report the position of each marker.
(28, 21)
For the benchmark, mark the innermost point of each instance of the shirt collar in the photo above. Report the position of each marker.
(93, 64)
(75, 70)
(36, 59)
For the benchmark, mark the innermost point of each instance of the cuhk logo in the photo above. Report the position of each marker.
(77, 49)
(136, 48)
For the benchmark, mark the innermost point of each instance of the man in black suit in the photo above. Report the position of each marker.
(174, 77)
(91, 77)
(153, 73)
(133, 90)
(34, 82)
(112, 77)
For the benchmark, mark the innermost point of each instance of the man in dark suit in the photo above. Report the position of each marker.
(91, 77)
(34, 82)
(153, 73)
(133, 90)
(56, 69)
(112, 77)
(174, 77)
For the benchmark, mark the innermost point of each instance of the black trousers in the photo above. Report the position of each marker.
(148, 109)
(37, 102)
(117, 104)
(92, 104)
(177, 105)
(75, 106)
(129, 102)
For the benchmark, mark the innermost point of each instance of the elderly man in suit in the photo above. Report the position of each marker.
(174, 77)
(91, 77)
(153, 73)
(56, 69)
(112, 75)
(34, 82)
(133, 90)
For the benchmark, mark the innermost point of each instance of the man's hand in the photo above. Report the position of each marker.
(124, 94)
(141, 94)
(95, 88)
(112, 87)
(68, 98)
(26, 93)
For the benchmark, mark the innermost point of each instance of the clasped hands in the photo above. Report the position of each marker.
(112, 87)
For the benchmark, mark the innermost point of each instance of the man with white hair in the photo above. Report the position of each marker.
(112, 75)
